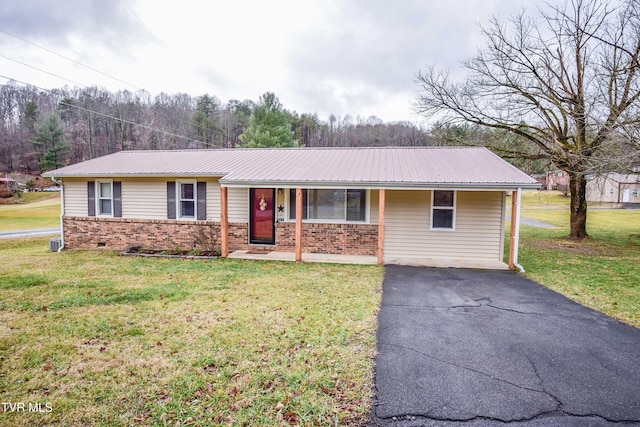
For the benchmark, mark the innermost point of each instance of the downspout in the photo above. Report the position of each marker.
(61, 214)
(517, 231)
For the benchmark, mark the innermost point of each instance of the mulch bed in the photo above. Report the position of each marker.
(174, 253)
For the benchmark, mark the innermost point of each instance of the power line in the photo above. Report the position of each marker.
(87, 67)
(164, 132)
(70, 59)
(41, 70)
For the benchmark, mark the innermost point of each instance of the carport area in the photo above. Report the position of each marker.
(477, 348)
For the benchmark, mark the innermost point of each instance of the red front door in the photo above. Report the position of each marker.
(261, 221)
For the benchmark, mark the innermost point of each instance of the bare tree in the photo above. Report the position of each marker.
(565, 80)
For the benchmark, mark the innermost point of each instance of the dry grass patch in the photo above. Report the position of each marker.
(32, 210)
(110, 340)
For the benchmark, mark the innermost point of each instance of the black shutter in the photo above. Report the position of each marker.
(202, 201)
(171, 200)
(91, 198)
(117, 199)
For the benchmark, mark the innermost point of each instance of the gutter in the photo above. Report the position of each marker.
(61, 214)
(517, 231)
(485, 186)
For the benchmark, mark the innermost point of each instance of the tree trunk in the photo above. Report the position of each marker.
(578, 219)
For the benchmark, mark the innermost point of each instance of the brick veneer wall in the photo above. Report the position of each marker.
(121, 233)
(341, 239)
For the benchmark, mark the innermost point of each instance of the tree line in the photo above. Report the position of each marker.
(44, 129)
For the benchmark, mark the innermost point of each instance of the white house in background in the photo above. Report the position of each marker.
(428, 206)
(614, 187)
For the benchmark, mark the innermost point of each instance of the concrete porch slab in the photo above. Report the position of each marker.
(360, 259)
(306, 257)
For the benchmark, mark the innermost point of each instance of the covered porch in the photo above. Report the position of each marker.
(298, 255)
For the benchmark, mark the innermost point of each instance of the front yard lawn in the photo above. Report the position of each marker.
(601, 272)
(109, 340)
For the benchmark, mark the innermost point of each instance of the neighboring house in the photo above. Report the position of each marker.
(403, 205)
(614, 187)
(7, 186)
(542, 179)
(557, 180)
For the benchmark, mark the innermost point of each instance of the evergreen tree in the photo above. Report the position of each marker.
(203, 120)
(269, 125)
(49, 139)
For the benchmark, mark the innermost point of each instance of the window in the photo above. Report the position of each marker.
(635, 192)
(104, 199)
(187, 199)
(330, 205)
(443, 209)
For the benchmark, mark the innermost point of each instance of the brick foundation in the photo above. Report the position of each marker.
(121, 233)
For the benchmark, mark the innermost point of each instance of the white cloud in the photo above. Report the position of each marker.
(343, 57)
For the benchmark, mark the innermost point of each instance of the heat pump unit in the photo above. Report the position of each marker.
(55, 244)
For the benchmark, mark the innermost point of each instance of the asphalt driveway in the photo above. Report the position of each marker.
(481, 348)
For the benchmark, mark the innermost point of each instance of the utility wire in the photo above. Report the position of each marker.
(87, 67)
(70, 59)
(41, 70)
(164, 132)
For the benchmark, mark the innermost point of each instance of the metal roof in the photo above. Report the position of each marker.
(460, 167)
(620, 178)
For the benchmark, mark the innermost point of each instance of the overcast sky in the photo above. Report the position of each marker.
(356, 57)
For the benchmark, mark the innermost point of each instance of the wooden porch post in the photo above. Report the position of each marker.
(513, 238)
(224, 223)
(381, 203)
(298, 224)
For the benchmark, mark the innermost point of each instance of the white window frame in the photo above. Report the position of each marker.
(367, 219)
(179, 199)
(451, 208)
(99, 199)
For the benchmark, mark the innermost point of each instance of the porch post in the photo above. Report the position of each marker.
(381, 203)
(298, 224)
(224, 223)
(515, 231)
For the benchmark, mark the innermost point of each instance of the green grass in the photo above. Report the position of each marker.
(601, 272)
(111, 340)
(32, 210)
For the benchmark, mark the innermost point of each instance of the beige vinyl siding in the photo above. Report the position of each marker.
(213, 199)
(238, 206)
(144, 198)
(75, 197)
(478, 232)
(373, 206)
